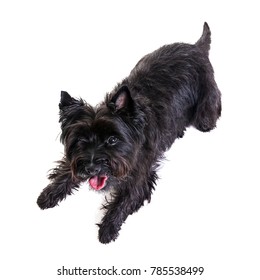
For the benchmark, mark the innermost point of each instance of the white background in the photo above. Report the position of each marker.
(205, 210)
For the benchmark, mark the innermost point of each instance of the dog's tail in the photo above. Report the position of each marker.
(205, 39)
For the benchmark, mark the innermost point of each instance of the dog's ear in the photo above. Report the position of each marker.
(66, 100)
(122, 100)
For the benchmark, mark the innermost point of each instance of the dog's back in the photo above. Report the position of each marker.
(178, 80)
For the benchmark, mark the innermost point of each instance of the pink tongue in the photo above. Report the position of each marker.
(97, 182)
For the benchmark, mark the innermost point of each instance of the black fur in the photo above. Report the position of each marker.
(119, 144)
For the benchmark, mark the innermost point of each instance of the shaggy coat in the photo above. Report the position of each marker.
(118, 144)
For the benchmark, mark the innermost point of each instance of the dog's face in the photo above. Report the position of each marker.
(101, 144)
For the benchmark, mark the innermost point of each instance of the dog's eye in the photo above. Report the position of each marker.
(112, 140)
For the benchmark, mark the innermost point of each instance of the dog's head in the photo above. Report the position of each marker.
(101, 143)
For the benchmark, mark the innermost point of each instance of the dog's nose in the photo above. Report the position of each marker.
(92, 169)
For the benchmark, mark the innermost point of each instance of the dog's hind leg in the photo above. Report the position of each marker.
(208, 108)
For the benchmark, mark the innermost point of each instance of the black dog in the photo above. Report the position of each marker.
(119, 144)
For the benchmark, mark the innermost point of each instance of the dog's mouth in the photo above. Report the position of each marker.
(98, 182)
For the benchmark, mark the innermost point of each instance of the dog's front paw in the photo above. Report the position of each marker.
(47, 200)
(107, 233)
